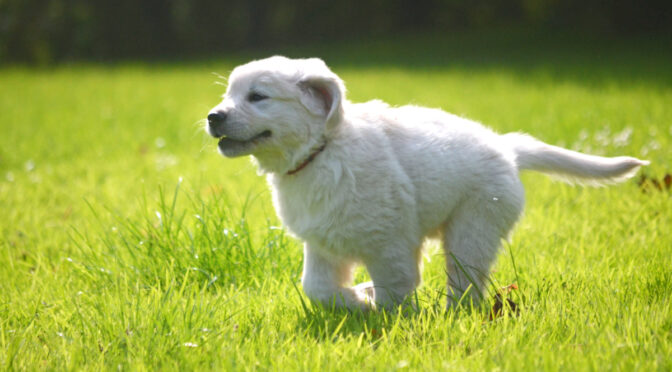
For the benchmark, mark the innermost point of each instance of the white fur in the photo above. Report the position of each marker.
(387, 179)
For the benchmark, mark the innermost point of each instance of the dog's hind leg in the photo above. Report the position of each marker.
(325, 281)
(472, 237)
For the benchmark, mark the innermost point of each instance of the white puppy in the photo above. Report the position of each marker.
(367, 183)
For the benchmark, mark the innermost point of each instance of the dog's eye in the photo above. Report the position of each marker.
(256, 97)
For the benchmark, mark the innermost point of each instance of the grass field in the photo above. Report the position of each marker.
(128, 243)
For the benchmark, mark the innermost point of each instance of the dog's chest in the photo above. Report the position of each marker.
(326, 216)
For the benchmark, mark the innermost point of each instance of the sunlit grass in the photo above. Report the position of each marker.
(127, 242)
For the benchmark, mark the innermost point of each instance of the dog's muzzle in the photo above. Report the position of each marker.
(216, 121)
(232, 144)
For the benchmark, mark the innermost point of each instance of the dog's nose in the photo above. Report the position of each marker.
(216, 118)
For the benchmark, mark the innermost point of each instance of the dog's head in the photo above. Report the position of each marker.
(277, 109)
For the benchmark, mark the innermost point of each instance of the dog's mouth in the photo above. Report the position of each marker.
(231, 147)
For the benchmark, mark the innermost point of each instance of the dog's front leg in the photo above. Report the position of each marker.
(395, 275)
(326, 280)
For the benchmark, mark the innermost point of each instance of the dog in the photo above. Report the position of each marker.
(367, 183)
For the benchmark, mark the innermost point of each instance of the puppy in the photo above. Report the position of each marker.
(368, 183)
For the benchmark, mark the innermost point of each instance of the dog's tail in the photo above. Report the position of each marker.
(571, 166)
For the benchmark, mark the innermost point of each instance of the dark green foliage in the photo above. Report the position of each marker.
(44, 31)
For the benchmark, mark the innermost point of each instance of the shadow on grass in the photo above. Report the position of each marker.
(331, 324)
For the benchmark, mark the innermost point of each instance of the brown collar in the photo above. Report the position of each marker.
(310, 158)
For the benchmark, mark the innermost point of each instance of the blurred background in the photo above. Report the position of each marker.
(51, 31)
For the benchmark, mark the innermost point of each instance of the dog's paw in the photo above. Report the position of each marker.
(365, 289)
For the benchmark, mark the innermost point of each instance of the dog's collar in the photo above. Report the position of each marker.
(309, 159)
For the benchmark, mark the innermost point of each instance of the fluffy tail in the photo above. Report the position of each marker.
(571, 166)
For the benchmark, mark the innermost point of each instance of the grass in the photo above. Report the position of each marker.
(128, 243)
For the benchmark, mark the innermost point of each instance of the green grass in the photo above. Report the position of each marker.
(129, 243)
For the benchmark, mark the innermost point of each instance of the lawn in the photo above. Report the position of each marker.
(128, 243)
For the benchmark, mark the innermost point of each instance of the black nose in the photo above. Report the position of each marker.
(216, 118)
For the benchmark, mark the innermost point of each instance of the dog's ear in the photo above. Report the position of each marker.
(323, 94)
